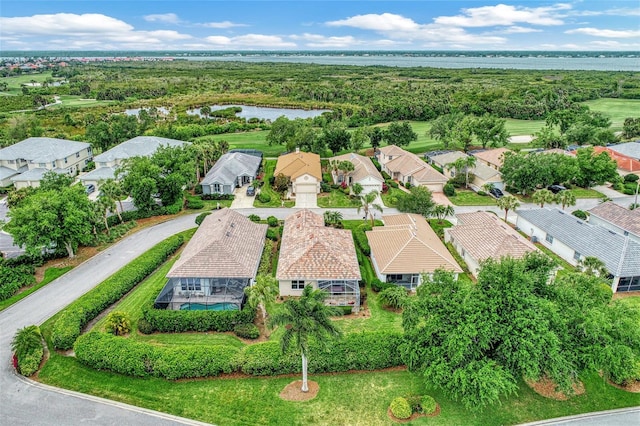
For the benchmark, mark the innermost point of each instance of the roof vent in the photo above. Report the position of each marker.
(232, 224)
(228, 234)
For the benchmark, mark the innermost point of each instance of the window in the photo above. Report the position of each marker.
(65, 160)
(191, 284)
(53, 164)
(549, 239)
(42, 164)
(390, 157)
(297, 285)
(77, 154)
(394, 278)
(216, 187)
(576, 255)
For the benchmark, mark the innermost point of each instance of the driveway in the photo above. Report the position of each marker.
(241, 200)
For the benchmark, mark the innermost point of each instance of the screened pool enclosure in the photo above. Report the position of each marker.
(203, 294)
(341, 293)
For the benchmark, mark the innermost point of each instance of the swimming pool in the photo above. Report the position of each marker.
(225, 306)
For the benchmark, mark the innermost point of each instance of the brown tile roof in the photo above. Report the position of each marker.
(483, 235)
(493, 156)
(629, 220)
(392, 150)
(226, 244)
(295, 164)
(409, 164)
(310, 250)
(406, 244)
(362, 166)
(624, 162)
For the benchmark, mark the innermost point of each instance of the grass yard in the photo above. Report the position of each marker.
(586, 193)
(74, 101)
(252, 140)
(49, 275)
(390, 198)
(616, 109)
(465, 197)
(523, 127)
(269, 166)
(335, 199)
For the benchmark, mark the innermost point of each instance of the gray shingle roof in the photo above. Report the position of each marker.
(230, 166)
(35, 174)
(97, 174)
(630, 149)
(140, 146)
(42, 150)
(6, 172)
(588, 240)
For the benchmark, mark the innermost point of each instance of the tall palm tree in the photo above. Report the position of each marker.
(305, 318)
(112, 190)
(332, 217)
(369, 205)
(103, 206)
(543, 196)
(464, 165)
(565, 198)
(25, 340)
(262, 293)
(441, 211)
(591, 265)
(508, 202)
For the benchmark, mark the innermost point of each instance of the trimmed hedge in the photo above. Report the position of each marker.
(126, 356)
(363, 351)
(400, 408)
(69, 325)
(247, 331)
(361, 238)
(30, 363)
(13, 278)
(170, 321)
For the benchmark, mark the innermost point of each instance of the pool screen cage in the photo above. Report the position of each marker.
(218, 294)
(341, 292)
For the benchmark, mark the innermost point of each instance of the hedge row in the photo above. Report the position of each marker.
(104, 351)
(13, 278)
(365, 351)
(69, 326)
(170, 321)
(361, 238)
(30, 363)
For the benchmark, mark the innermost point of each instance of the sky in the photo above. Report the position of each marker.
(320, 25)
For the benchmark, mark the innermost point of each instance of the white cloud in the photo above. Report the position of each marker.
(520, 30)
(596, 32)
(250, 41)
(609, 12)
(63, 24)
(505, 15)
(223, 24)
(327, 42)
(167, 18)
(383, 22)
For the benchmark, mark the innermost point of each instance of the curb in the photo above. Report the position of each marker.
(592, 415)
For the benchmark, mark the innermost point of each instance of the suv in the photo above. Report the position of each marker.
(556, 188)
(89, 188)
(496, 192)
(251, 191)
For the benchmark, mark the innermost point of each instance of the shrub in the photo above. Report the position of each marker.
(69, 325)
(449, 190)
(272, 234)
(217, 197)
(272, 221)
(194, 203)
(264, 197)
(144, 326)
(169, 321)
(481, 193)
(392, 183)
(254, 218)
(28, 349)
(12, 278)
(428, 404)
(361, 238)
(394, 297)
(400, 408)
(200, 218)
(385, 175)
(377, 285)
(628, 191)
(580, 214)
(631, 178)
(407, 185)
(325, 187)
(30, 363)
(415, 403)
(118, 323)
(247, 331)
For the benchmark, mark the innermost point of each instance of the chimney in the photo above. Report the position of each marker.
(297, 150)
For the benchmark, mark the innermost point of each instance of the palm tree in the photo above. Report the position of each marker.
(262, 293)
(464, 164)
(369, 205)
(112, 190)
(102, 206)
(566, 198)
(332, 217)
(508, 202)
(304, 318)
(441, 211)
(591, 265)
(543, 196)
(345, 167)
(487, 187)
(26, 340)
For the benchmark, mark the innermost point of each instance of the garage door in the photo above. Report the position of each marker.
(306, 201)
(368, 188)
(434, 187)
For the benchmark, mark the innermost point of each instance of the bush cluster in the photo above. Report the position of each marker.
(194, 203)
(103, 351)
(200, 217)
(247, 331)
(115, 232)
(29, 350)
(363, 351)
(264, 197)
(266, 261)
(273, 221)
(580, 214)
(361, 238)
(12, 278)
(449, 190)
(69, 325)
(217, 197)
(400, 408)
(392, 183)
(377, 285)
(272, 234)
(170, 321)
(394, 297)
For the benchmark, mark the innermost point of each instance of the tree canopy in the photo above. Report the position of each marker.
(419, 201)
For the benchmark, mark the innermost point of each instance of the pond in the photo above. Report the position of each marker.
(136, 111)
(265, 113)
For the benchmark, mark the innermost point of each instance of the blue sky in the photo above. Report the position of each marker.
(319, 25)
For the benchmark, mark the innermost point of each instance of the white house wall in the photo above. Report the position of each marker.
(556, 246)
(594, 220)
(286, 290)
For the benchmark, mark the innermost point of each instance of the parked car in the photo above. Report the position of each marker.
(556, 188)
(496, 192)
(251, 191)
(89, 188)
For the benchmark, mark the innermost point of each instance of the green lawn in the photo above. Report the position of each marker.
(336, 199)
(586, 193)
(75, 101)
(616, 109)
(465, 197)
(252, 140)
(269, 166)
(49, 275)
(390, 198)
(523, 127)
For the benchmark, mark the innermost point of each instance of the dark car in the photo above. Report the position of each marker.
(556, 188)
(89, 188)
(251, 191)
(496, 192)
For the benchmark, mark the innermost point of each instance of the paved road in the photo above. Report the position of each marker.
(22, 403)
(621, 417)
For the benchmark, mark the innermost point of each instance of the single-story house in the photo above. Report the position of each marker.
(316, 255)
(233, 169)
(36, 156)
(364, 173)
(107, 162)
(305, 172)
(480, 236)
(220, 260)
(407, 167)
(630, 149)
(574, 239)
(616, 218)
(405, 248)
(443, 161)
(493, 158)
(626, 164)
(479, 175)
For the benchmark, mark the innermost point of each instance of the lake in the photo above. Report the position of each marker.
(265, 113)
